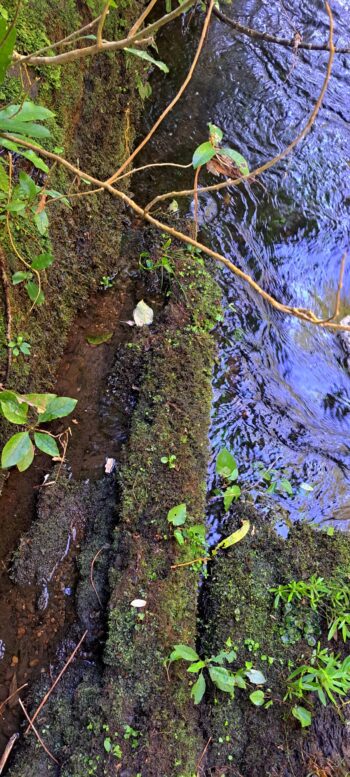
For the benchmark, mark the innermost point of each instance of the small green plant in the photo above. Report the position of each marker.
(226, 468)
(106, 282)
(31, 411)
(194, 536)
(19, 345)
(223, 678)
(331, 598)
(112, 748)
(131, 735)
(327, 675)
(212, 148)
(273, 480)
(169, 460)
(162, 263)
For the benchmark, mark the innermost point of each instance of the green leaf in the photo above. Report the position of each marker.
(302, 715)
(237, 158)
(179, 537)
(177, 515)
(216, 134)
(6, 48)
(27, 185)
(257, 698)
(145, 55)
(255, 676)
(20, 276)
(15, 412)
(42, 261)
(185, 652)
(237, 536)
(58, 407)
(26, 461)
(203, 154)
(107, 744)
(99, 339)
(196, 666)
(41, 222)
(285, 485)
(306, 487)
(27, 112)
(34, 294)
(4, 179)
(222, 678)
(198, 689)
(34, 159)
(231, 493)
(16, 448)
(40, 401)
(225, 463)
(46, 443)
(17, 127)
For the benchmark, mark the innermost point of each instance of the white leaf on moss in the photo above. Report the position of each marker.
(143, 314)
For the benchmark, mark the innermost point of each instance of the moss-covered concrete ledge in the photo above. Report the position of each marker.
(167, 369)
(236, 603)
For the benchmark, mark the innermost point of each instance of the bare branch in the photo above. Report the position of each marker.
(63, 42)
(174, 100)
(279, 157)
(268, 38)
(142, 18)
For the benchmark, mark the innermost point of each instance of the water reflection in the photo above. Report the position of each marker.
(282, 390)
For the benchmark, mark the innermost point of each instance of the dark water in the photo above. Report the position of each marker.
(282, 389)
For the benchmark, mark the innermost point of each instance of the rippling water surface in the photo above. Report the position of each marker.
(282, 387)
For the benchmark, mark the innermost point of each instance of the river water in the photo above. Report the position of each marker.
(281, 387)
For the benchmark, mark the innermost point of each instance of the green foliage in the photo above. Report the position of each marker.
(302, 715)
(19, 345)
(169, 460)
(331, 597)
(211, 148)
(145, 55)
(222, 677)
(163, 262)
(31, 410)
(7, 44)
(192, 536)
(275, 484)
(327, 675)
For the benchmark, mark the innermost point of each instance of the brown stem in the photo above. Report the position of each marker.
(8, 312)
(142, 18)
(268, 38)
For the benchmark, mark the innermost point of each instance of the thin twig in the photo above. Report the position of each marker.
(8, 749)
(188, 563)
(142, 18)
(202, 755)
(268, 38)
(279, 157)
(195, 186)
(104, 547)
(53, 686)
(36, 732)
(173, 102)
(3, 704)
(101, 23)
(8, 313)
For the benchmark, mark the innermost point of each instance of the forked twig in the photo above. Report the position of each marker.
(3, 704)
(36, 732)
